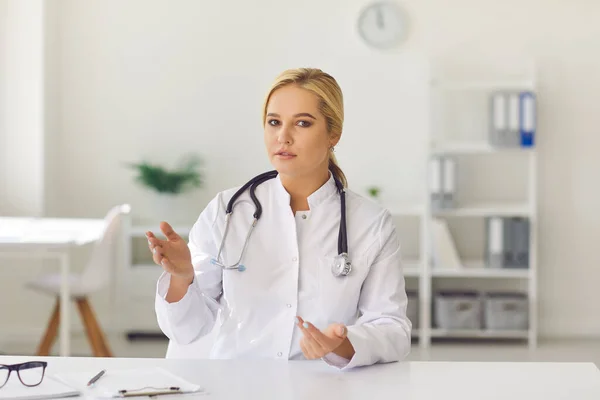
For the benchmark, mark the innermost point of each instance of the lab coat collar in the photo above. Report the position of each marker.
(322, 193)
(317, 197)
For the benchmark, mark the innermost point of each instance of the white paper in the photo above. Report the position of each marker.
(444, 249)
(48, 389)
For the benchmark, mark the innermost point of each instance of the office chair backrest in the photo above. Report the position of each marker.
(102, 261)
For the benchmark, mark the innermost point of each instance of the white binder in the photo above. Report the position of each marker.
(435, 183)
(498, 120)
(513, 135)
(449, 186)
(495, 242)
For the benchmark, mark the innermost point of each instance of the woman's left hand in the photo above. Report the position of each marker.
(316, 344)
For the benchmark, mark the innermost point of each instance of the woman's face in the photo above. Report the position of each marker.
(296, 134)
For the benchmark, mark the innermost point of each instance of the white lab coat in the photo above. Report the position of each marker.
(288, 273)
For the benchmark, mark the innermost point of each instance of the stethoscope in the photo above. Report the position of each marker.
(341, 263)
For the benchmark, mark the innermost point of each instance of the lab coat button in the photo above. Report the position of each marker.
(303, 216)
(289, 305)
(279, 354)
(295, 259)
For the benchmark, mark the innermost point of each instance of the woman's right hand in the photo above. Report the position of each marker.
(173, 254)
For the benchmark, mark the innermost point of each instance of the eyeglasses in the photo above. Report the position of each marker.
(30, 373)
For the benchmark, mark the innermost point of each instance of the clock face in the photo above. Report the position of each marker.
(383, 24)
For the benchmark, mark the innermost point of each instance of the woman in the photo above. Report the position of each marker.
(283, 299)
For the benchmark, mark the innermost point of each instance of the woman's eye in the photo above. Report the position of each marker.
(304, 124)
(273, 122)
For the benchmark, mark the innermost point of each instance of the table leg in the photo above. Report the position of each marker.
(64, 305)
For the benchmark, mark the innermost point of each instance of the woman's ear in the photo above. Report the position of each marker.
(333, 141)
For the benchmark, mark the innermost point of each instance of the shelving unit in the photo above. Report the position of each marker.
(474, 273)
(478, 334)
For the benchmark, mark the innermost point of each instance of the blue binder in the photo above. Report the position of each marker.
(527, 119)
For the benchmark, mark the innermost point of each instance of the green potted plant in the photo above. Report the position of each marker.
(170, 185)
(170, 182)
(374, 192)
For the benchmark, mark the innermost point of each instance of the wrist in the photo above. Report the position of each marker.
(182, 280)
(345, 349)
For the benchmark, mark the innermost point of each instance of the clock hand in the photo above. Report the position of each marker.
(379, 18)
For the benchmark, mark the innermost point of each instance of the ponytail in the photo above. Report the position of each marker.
(336, 170)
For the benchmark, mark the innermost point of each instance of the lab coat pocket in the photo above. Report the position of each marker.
(339, 295)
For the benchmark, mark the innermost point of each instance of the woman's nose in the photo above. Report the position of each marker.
(284, 136)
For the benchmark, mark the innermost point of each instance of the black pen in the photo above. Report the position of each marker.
(95, 379)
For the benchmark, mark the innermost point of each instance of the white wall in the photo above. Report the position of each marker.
(22, 153)
(3, 78)
(156, 79)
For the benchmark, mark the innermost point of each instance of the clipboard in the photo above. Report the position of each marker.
(128, 383)
(150, 391)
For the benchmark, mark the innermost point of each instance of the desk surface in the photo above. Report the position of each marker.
(18, 232)
(313, 380)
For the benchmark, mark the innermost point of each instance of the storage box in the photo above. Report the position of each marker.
(506, 311)
(457, 310)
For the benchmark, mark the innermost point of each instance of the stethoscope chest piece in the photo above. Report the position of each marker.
(341, 265)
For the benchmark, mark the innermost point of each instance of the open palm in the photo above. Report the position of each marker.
(173, 253)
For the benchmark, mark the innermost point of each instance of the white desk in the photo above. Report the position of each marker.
(49, 238)
(313, 380)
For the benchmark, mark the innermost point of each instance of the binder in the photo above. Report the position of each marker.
(499, 251)
(513, 133)
(435, 183)
(448, 182)
(509, 243)
(521, 242)
(527, 119)
(494, 253)
(498, 120)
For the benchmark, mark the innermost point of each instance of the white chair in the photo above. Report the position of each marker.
(96, 275)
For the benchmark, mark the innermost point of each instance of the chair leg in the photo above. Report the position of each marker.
(92, 328)
(46, 344)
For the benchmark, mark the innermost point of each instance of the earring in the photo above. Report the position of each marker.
(332, 149)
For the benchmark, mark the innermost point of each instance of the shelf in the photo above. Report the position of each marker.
(411, 268)
(478, 270)
(476, 334)
(487, 209)
(484, 85)
(466, 148)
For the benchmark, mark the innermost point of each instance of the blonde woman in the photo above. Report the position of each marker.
(319, 274)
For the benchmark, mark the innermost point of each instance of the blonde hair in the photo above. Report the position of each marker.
(331, 104)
